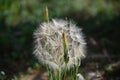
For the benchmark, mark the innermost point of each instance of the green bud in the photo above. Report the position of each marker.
(65, 46)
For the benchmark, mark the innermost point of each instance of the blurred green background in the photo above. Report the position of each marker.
(100, 20)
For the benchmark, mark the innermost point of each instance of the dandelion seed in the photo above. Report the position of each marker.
(56, 37)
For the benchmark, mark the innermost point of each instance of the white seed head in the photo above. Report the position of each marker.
(49, 44)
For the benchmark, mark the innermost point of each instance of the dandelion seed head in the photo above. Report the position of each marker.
(49, 48)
